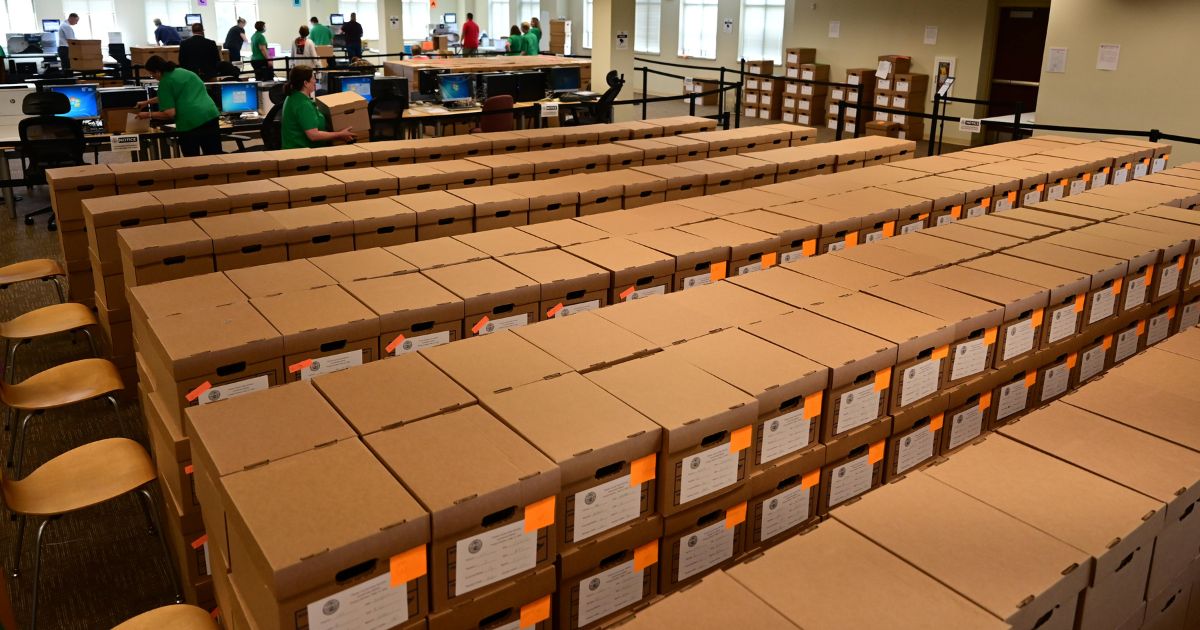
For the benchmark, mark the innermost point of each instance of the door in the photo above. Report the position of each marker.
(1017, 62)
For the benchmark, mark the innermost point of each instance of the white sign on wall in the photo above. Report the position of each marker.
(931, 33)
(622, 40)
(1108, 57)
(835, 29)
(394, 22)
(727, 25)
(1056, 60)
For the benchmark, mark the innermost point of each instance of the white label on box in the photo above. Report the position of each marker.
(793, 73)
(920, 380)
(899, 118)
(1002, 203)
(858, 407)
(751, 84)
(1159, 164)
(707, 472)
(1055, 381)
(1062, 323)
(1126, 345)
(899, 101)
(1168, 281)
(902, 86)
(207, 570)
(873, 237)
(766, 99)
(1018, 339)
(789, 117)
(603, 507)
(789, 102)
(850, 127)
(1104, 303)
(912, 227)
(1013, 398)
(884, 84)
(966, 426)
(1135, 292)
(1055, 192)
(697, 280)
(581, 307)
(850, 480)
(791, 88)
(372, 605)
(969, 358)
(1099, 180)
(945, 219)
(1077, 187)
(802, 119)
(785, 511)
(1032, 197)
(332, 363)
(607, 592)
(234, 389)
(752, 98)
(833, 109)
(791, 256)
(1160, 327)
(1120, 176)
(881, 116)
(837, 95)
(881, 100)
(836, 247)
(1091, 362)
(807, 75)
(852, 79)
(645, 293)
(784, 435)
(702, 550)
(915, 448)
(1190, 316)
(516, 625)
(420, 342)
(751, 268)
(1194, 274)
(491, 556)
(976, 211)
(1140, 170)
(504, 323)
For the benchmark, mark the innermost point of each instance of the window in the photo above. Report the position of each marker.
(16, 16)
(97, 18)
(588, 8)
(762, 29)
(698, 28)
(171, 13)
(529, 9)
(498, 18)
(647, 28)
(228, 12)
(367, 14)
(415, 19)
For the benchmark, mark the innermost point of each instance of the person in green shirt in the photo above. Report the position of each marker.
(259, 58)
(304, 126)
(516, 41)
(535, 27)
(182, 96)
(318, 33)
(530, 45)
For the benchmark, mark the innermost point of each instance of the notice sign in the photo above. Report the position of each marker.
(549, 110)
(127, 143)
(622, 40)
(970, 125)
(1108, 57)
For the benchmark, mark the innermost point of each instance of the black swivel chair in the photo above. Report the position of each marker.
(272, 127)
(601, 110)
(117, 52)
(64, 58)
(48, 140)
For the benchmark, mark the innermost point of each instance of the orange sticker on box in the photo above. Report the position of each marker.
(408, 566)
(1179, 264)
(956, 212)
(643, 469)
(539, 514)
(851, 240)
(735, 515)
(536, 612)
(1037, 318)
(769, 259)
(199, 391)
(1146, 161)
(889, 229)
(1012, 196)
(985, 400)
(739, 440)
(215, 613)
(1107, 342)
(883, 379)
(189, 469)
(875, 454)
(296, 367)
(812, 405)
(809, 248)
(394, 344)
(935, 423)
(1107, 170)
(986, 202)
(627, 292)
(480, 324)
(1141, 327)
(1079, 301)
(941, 353)
(989, 336)
(1149, 274)
(199, 542)
(1117, 285)
(1087, 177)
(1064, 182)
(718, 271)
(1072, 359)
(645, 556)
(810, 479)
(1171, 313)
(923, 216)
(1030, 378)
(554, 310)
(1041, 187)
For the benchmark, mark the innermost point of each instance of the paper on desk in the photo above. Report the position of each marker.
(133, 124)
(436, 110)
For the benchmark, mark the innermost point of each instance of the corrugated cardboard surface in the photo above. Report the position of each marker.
(586, 341)
(716, 602)
(277, 278)
(495, 362)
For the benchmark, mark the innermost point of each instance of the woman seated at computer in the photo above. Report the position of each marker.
(303, 46)
(183, 97)
(303, 124)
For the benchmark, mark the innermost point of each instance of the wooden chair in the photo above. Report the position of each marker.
(48, 320)
(174, 617)
(42, 269)
(59, 386)
(81, 478)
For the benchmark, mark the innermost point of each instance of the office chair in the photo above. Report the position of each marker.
(497, 114)
(227, 71)
(387, 117)
(64, 58)
(601, 110)
(117, 51)
(48, 140)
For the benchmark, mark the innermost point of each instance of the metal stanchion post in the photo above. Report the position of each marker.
(1017, 121)
(645, 91)
(933, 126)
(841, 119)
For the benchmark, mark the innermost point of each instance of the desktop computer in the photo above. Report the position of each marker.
(454, 90)
(531, 86)
(238, 98)
(358, 83)
(84, 98)
(563, 80)
(449, 18)
(51, 26)
(498, 84)
(336, 19)
(427, 82)
(193, 18)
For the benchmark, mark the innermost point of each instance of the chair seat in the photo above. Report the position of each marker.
(48, 320)
(80, 478)
(175, 617)
(30, 270)
(63, 385)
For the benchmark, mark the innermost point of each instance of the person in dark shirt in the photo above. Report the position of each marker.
(234, 40)
(352, 31)
(165, 35)
(200, 54)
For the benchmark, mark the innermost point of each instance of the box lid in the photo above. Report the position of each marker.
(627, 261)
(732, 305)
(176, 296)
(743, 241)
(504, 242)
(384, 394)
(83, 177)
(958, 233)
(486, 284)
(1138, 255)
(790, 230)
(840, 271)
(564, 233)
(255, 160)
(945, 251)
(390, 150)
(342, 103)
(372, 214)
(1061, 282)
(912, 331)
(997, 561)
(722, 204)
(668, 214)
(406, 300)
(789, 287)
(847, 352)
(281, 277)
(1018, 229)
(1046, 218)
(891, 259)
(1101, 268)
(438, 252)
(1174, 243)
(435, 205)
(345, 156)
(121, 210)
(314, 318)
(663, 321)
(419, 176)
(362, 264)
(1015, 296)
(364, 178)
(140, 173)
(195, 201)
(585, 341)
(464, 465)
(713, 603)
(197, 342)
(259, 191)
(968, 314)
(832, 222)
(150, 244)
(190, 167)
(311, 222)
(234, 232)
(559, 273)
(497, 362)
(675, 175)
(691, 252)
(462, 172)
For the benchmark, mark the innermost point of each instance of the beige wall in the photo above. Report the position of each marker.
(1154, 85)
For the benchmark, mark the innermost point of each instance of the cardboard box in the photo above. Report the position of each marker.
(548, 201)
(917, 436)
(345, 156)
(718, 178)
(312, 189)
(502, 502)
(789, 287)
(460, 174)
(636, 271)
(504, 242)
(254, 166)
(366, 183)
(706, 443)
(694, 255)
(362, 264)
(597, 194)
(702, 539)
(686, 149)
(716, 601)
(782, 501)
(614, 574)
(439, 252)
(682, 183)
(245, 240)
(380, 222)
(1068, 290)
(586, 342)
(853, 463)
(324, 330)
(942, 251)
(196, 202)
(143, 176)
(655, 151)
(497, 298)
(103, 216)
(1140, 283)
(439, 213)
(414, 312)
(174, 297)
(157, 253)
(276, 278)
(200, 171)
(257, 194)
(750, 249)
(569, 285)
(522, 600)
(346, 110)
(314, 231)
(646, 219)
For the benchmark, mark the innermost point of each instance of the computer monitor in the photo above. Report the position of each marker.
(358, 83)
(564, 80)
(449, 18)
(51, 26)
(454, 88)
(336, 19)
(84, 97)
(531, 86)
(498, 84)
(427, 81)
(193, 18)
(238, 98)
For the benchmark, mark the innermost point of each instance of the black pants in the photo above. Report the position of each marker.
(353, 51)
(204, 139)
(262, 70)
(235, 57)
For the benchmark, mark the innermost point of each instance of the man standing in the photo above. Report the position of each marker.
(319, 34)
(470, 36)
(67, 31)
(165, 35)
(352, 31)
(531, 41)
(200, 54)
(234, 40)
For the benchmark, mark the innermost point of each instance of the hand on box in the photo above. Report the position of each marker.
(346, 135)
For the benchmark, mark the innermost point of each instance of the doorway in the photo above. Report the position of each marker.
(1020, 42)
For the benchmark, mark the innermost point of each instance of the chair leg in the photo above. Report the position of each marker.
(16, 554)
(112, 400)
(37, 570)
(91, 342)
(62, 294)
(10, 368)
(151, 516)
(19, 444)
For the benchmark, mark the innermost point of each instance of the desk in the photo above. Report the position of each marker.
(408, 68)
(420, 115)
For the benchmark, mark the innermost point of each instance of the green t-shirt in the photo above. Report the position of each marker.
(320, 35)
(531, 44)
(537, 32)
(516, 44)
(300, 114)
(183, 91)
(258, 41)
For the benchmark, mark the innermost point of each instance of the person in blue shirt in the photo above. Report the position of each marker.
(165, 35)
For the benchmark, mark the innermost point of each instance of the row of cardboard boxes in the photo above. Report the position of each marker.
(807, 102)
(1077, 515)
(518, 377)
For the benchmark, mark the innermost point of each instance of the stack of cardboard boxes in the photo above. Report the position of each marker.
(763, 95)
(140, 54)
(899, 89)
(85, 54)
(863, 90)
(805, 100)
(560, 36)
